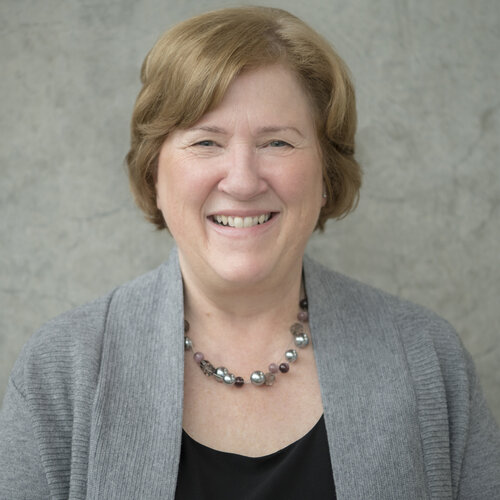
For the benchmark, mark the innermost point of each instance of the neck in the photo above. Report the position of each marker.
(228, 312)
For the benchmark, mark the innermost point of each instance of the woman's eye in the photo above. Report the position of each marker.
(278, 144)
(206, 143)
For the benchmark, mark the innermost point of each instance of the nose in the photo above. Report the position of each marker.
(242, 177)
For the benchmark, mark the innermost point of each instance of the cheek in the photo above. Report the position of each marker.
(183, 187)
(162, 184)
(302, 181)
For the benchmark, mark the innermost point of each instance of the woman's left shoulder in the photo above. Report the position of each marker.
(415, 324)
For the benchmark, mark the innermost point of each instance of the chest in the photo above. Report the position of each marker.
(251, 421)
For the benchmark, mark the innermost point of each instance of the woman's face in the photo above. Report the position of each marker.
(241, 190)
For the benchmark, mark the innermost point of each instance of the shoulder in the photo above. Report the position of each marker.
(333, 288)
(67, 349)
(418, 327)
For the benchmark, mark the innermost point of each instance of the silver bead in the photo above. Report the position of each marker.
(257, 377)
(291, 355)
(302, 340)
(188, 343)
(220, 373)
(229, 379)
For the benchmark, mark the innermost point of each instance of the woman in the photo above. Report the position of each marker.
(242, 145)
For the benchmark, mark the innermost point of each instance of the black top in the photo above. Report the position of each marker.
(301, 470)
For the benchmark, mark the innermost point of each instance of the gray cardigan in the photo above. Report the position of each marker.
(94, 403)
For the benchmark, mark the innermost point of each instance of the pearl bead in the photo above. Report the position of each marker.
(188, 344)
(220, 372)
(273, 368)
(229, 379)
(284, 367)
(198, 357)
(239, 382)
(291, 355)
(257, 377)
(302, 340)
(303, 304)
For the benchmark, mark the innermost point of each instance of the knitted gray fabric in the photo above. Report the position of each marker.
(94, 403)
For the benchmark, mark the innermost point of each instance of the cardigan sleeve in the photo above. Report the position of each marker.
(21, 473)
(473, 436)
(480, 474)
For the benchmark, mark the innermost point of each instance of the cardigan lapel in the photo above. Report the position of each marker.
(137, 422)
(368, 398)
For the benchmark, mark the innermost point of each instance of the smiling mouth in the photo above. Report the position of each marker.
(229, 220)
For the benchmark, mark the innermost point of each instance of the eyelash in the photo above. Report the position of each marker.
(204, 143)
(281, 143)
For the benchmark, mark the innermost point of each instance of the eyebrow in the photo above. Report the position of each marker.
(207, 128)
(271, 129)
(262, 130)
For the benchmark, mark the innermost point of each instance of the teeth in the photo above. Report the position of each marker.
(241, 221)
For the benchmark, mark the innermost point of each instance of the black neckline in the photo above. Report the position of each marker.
(288, 447)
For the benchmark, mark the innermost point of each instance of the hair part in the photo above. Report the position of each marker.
(189, 69)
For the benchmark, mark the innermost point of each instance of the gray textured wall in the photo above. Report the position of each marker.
(427, 227)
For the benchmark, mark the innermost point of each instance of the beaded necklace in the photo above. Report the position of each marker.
(257, 377)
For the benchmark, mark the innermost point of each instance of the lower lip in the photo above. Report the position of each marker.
(244, 231)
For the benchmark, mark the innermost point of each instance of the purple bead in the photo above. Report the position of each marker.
(303, 316)
(303, 304)
(273, 368)
(198, 357)
(284, 367)
(239, 382)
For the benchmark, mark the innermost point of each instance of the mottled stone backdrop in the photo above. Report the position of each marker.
(427, 228)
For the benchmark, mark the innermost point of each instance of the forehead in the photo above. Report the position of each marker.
(270, 94)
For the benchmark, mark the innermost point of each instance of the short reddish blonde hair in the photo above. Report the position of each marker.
(191, 66)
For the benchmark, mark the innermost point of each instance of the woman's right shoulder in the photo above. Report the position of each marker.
(63, 346)
(67, 348)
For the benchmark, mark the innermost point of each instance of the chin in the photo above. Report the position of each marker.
(241, 272)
